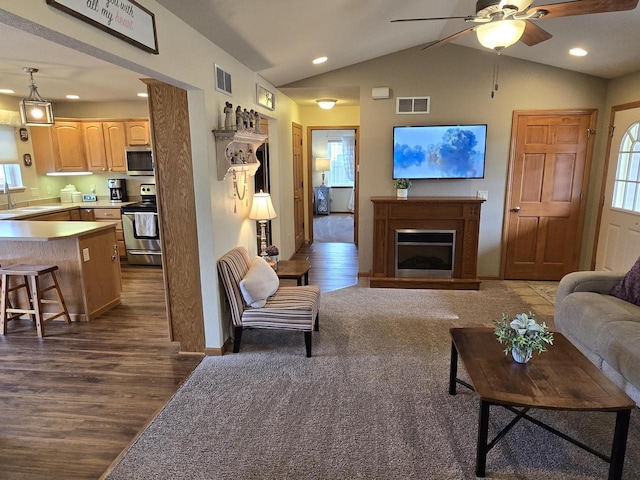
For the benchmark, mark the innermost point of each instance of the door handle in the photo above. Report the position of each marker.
(516, 209)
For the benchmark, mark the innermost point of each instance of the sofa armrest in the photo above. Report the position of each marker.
(588, 281)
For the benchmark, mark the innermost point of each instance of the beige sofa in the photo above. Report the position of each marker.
(604, 328)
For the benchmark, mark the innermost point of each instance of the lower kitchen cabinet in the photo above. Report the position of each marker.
(112, 215)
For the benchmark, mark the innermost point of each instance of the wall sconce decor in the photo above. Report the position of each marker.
(262, 210)
(35, 110)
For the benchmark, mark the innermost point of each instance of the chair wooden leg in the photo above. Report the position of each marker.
(3, 305)
(316, 325)
(307, 342)
(37, 304)
(237, 335)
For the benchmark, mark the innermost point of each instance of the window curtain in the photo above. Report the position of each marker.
(349, 154)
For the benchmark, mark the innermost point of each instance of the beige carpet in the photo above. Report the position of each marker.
(336, 228)
(372, 403)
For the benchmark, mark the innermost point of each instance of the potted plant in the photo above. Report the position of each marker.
(522, 336)
(272, 252)
(402, 187)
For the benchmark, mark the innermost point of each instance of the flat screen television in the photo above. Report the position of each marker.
(439, 151)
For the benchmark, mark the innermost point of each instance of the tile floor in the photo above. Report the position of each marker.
(540, 295)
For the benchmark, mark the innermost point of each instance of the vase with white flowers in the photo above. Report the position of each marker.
(402, 187)
(522, 336)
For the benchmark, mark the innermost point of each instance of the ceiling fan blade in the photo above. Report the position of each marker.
(534, 35)
(450, 38)
(429, 18)
(584, 7)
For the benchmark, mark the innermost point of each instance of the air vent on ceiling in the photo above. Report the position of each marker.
(413, 105)
(223, 81)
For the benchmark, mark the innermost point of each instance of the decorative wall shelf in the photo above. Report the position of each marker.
(236, 151)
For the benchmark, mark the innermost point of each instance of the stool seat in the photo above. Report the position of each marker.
(31, 281)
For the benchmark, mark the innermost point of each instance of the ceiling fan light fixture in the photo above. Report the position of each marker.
(35, 110)
(326, 103)
(500, 34)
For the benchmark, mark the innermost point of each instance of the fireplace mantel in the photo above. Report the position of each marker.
(461, 214)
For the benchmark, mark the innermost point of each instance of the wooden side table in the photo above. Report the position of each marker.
(294, 269)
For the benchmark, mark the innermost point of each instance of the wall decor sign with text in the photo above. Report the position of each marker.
(124, 19)
(265, 98)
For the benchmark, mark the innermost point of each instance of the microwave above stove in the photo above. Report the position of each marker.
(139, 160)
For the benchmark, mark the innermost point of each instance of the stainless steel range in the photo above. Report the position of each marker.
(141, 230)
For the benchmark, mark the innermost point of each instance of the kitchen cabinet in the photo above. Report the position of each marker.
(137, 133)
(86, 215)
(112, 215)
(59, 148)
(114, 144)
(94, 144)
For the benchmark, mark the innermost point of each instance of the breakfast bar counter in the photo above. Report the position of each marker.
(86, 254)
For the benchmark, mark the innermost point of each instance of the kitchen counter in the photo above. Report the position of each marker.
(39, 231)
(86, 254)
(35, 210)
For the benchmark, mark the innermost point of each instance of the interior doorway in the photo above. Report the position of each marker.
(332, 154)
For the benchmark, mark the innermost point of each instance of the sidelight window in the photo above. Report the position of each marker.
(626, 187)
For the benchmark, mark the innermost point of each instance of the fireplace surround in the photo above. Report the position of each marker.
(460, 215)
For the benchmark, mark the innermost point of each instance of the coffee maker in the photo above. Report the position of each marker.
(117, 190)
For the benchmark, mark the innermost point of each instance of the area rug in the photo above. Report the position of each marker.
(371, 403)
(336, 228)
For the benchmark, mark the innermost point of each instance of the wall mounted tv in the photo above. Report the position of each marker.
(439, 151)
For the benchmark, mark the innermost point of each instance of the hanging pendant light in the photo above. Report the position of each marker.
(35, 110)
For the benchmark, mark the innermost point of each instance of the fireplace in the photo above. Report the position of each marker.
(450, 227)
(424, 253)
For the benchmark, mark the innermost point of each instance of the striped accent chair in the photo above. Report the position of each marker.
(290, 308)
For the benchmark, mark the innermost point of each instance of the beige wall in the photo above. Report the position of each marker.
(458, 80)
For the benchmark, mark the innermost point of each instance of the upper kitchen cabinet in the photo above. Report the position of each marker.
(137, 133)
(114, 144)
(94, 144)
(59, 148)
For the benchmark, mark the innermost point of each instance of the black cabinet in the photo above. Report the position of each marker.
(322, 201)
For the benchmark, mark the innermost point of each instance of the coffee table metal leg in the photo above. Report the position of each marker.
(619, 444)
(483, 433)
(453, 370)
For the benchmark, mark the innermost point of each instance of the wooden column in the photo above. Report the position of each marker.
(169, 112)
(461, 214)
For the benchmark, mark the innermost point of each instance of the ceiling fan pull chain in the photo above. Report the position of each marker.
(496, 74)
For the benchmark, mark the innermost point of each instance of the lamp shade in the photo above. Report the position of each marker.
(322, 165)
(500, 34)
(8, 149)
(262, 208)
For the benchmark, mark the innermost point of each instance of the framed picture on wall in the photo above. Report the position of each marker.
(265, 98)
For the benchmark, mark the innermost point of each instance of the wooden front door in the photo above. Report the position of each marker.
(550, 155)
(619, 233)
(298, 186)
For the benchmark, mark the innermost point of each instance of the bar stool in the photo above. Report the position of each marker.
(31, 282)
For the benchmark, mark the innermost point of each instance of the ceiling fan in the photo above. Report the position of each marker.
(502, 23)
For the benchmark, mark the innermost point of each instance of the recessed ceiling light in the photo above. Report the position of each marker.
(143, 94)
(320, 60)
(578, 52)
(6, 90)
(73, 97)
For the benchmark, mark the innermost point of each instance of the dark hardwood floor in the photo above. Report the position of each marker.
(72, 401)
(333, 265)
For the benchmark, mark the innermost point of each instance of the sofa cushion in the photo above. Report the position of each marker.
(629, 287)
(259, 283)
(621, 349)
(586, 316)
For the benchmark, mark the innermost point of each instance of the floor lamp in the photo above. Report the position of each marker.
(262, 210)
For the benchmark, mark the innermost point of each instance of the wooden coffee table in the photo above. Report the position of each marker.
(560, 379)
(294, 269)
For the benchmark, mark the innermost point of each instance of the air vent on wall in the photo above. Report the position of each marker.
(223, 80)
(413, 105)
